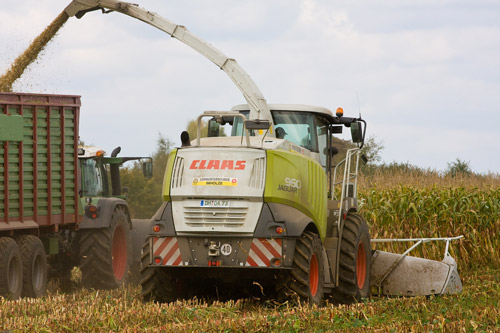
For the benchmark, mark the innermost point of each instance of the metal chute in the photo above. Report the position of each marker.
(395, 274)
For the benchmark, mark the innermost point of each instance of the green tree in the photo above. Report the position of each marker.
(144, 195)
(458, 168)
(192, 129)
(371, 149)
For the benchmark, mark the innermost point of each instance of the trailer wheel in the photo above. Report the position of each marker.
(354, 267)
(11, 269)
(105, 253)
(157, 284)
(34, 261)
(305, 280)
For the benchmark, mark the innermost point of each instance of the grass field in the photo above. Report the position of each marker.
(421, 208)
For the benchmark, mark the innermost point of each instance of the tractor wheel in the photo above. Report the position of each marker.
(11, 269)
(105, 253)
(158, 284)
(305, 280)
(34, 261)
(354, 267)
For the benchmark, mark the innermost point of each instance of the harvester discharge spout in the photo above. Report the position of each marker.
(395, 274)
(255, 99)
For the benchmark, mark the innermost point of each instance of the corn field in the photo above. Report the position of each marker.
(420, 208)
(470, 209)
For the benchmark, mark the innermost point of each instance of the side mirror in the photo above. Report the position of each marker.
(357, 132)
(147, 168)
(257, 124)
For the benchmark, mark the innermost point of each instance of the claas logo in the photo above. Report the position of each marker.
(218, 165)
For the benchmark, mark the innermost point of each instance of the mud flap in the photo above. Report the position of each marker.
(413, 276)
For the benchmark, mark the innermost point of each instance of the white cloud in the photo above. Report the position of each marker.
(427, 73)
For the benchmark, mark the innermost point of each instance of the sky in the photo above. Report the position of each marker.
(424, 74)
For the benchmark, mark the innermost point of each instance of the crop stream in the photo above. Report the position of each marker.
(18, 67)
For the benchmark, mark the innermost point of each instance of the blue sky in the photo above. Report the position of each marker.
(426, 72)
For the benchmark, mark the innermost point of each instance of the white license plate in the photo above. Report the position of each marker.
(214, 203)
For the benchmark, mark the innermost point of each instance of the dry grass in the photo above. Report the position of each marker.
(24, 60)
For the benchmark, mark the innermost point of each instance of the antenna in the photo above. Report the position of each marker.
(359, 106)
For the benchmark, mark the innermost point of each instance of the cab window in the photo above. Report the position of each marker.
(322, 132)
(296, 127)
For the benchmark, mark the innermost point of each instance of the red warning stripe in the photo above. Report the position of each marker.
(262, 251)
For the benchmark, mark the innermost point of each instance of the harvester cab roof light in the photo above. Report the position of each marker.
(100, 153)
(340, 112)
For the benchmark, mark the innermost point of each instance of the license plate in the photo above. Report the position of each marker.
(214, 203)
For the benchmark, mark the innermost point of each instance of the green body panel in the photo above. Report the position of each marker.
(11, 128)
(37, 159)
(168, 175)
(297, 181)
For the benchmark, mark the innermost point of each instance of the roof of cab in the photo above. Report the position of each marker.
(288, 107)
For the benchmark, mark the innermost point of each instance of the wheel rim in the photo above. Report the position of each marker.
(14, 275)
(119, 253)
(361, 265)
(313, 275)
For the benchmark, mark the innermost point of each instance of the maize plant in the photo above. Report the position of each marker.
(412, 212)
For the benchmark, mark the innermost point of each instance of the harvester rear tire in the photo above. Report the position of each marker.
(34, 261)
(11, 269)
(355, 257)
(105, 253)
(157, 284)
(305, 279)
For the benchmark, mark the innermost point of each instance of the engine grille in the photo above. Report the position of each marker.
(258, 176)
(229, 217)
(178, 172)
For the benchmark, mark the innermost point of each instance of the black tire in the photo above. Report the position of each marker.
(34, 261)
(305, 279)
(157, 284)
(140, 229)
(354, 267)
(11, 269)
(105, 253)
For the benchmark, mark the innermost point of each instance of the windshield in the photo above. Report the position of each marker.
(296, 127)
(91, 178)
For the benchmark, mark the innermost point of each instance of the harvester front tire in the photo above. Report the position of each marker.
(305, 280)
(34, 261)
(11, 269)
(105, 253)
(355, 257)
(157, 285)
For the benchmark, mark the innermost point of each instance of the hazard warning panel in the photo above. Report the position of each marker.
(263, 251)
(166, 251)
